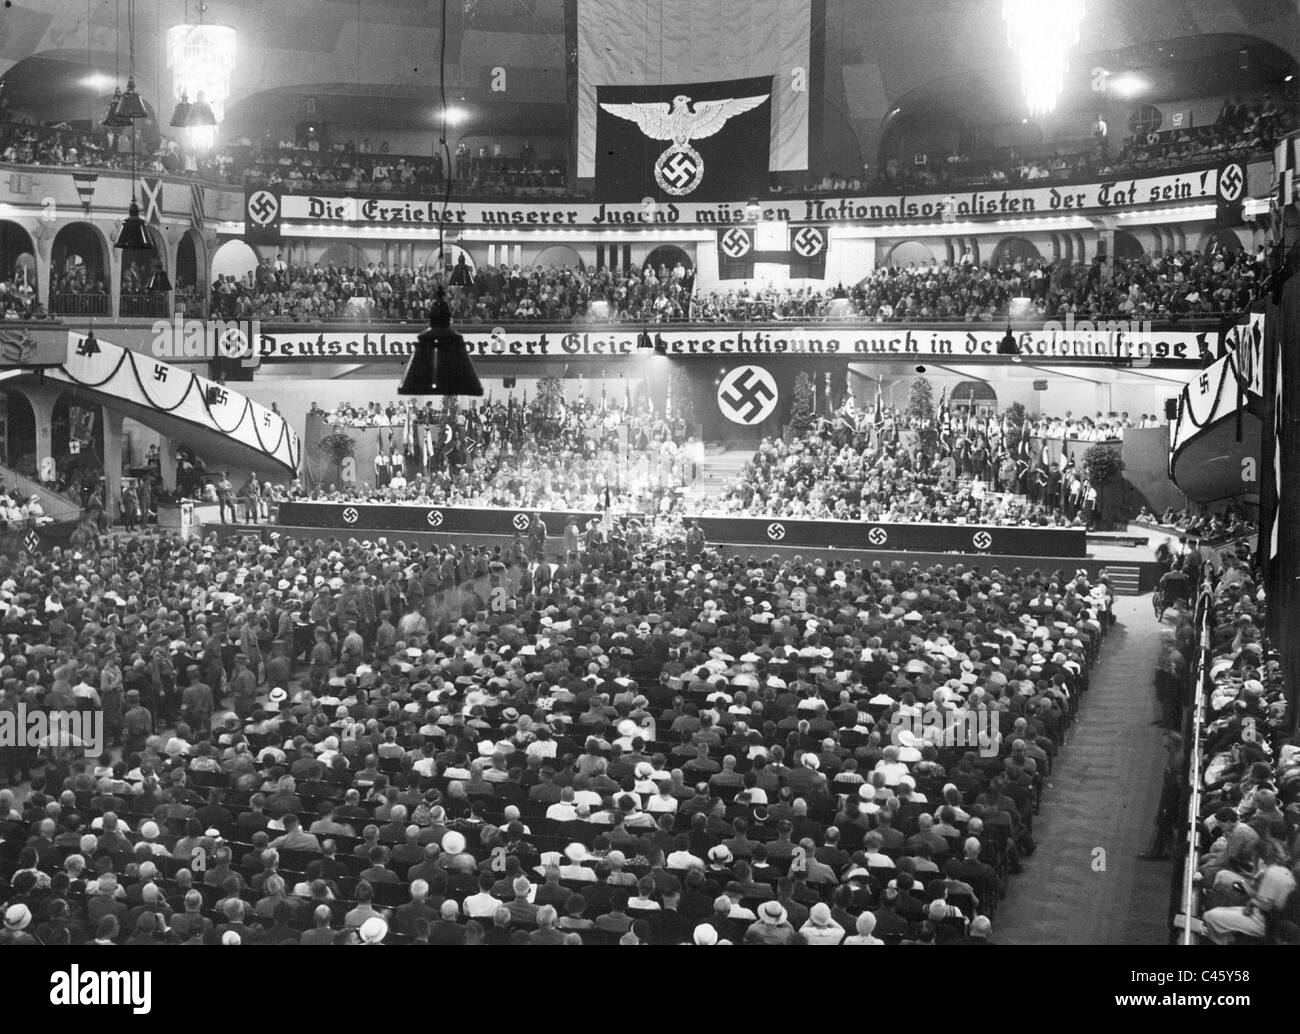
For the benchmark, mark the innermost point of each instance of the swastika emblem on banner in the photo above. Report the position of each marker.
(263, 207)
(31, 540)
(434, 517)
(521, 521)
(350, 515)
(809, 241)
(679, 170)
(747, 395)
(982, 540)
(1231, 182)
(735, 243)
(877, 536)
(776, 531)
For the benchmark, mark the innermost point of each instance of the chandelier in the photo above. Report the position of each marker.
(202, 58)
(1040, 34)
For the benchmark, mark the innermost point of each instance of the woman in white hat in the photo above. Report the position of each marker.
(17, 919)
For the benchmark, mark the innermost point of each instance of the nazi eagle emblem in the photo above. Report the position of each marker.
(680, 168)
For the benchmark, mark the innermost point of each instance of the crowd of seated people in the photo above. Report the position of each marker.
(352, 167)
(18, 298)
(1175, 285)
(903, 470)
(22, 143)
(488, 295)
(1209, 528)
(19, 511)
(1103, 427)
(77, 281)
(644, 746)
(543, 454)
(1244, 127)
(1248, 835)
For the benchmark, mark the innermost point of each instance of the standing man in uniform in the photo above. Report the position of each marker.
(226, 497)
(537, 537)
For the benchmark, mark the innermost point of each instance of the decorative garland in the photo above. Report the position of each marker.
(285, 450)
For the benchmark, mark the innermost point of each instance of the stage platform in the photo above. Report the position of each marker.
(1131, 570)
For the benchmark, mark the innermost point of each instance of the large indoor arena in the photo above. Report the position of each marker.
(637, 472)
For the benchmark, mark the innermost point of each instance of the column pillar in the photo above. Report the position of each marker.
(167, 462)
(112, 462)
(1106, 249)
(42, 399)
(114, 281)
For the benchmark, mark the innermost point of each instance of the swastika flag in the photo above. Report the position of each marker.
(683, 141)
(808, 246)
(261, 215)
(736, 253)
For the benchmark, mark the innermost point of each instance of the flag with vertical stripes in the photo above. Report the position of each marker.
(197, 214)
(85, 182)
(1286, 162)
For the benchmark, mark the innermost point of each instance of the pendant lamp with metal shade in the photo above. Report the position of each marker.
(114, 119)
(1009, 346)
(160, 281)
(440, 364)
(131, 105)
(134, 235)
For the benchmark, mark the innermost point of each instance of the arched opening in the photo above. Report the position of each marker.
(232, 259)
(1013, 250)
(18, 426)
(977, 396)
(79, 271)
(665, 259)
(451, 256)
(17, 270)
(77, 443)
(1221, 239)
(138, 267)
(1127, 246)
(190, 283)
(343, 253)
(561, 256)
(909, 253)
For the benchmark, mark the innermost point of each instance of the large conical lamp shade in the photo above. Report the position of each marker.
(180, 117)
(114, 118)
(131, 105)
(200, 115)
(440, 364)
(133, 236)
(160, 281)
